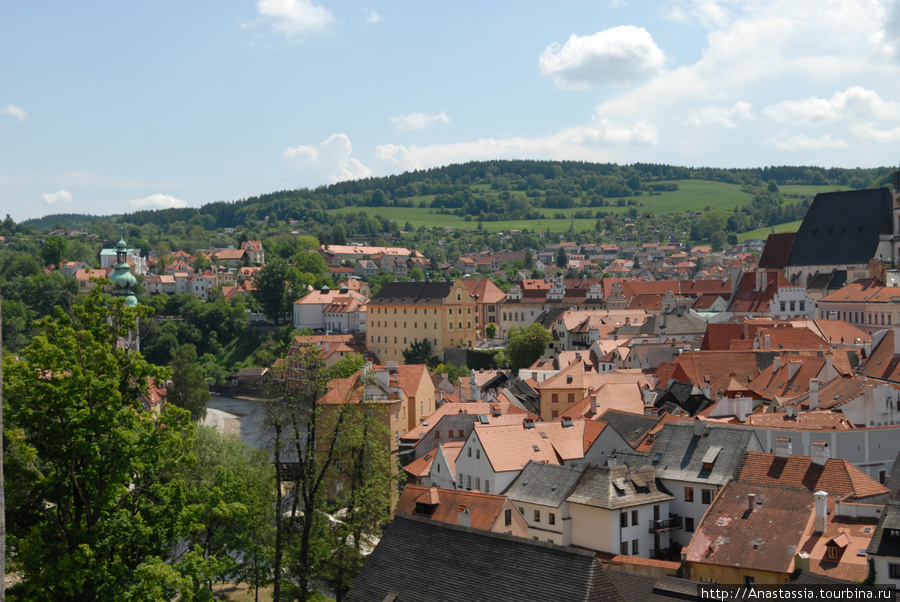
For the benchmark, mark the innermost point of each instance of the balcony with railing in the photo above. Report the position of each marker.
(666, 524)
(670, 553)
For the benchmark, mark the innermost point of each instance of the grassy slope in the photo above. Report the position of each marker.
(692, 195)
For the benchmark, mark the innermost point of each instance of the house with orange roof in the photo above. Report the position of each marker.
(843, 481)
(622, 397)
(437, 467)
(769, 293)
(485, 511)
(867, 304)
(758, 534)
(493, 456)
(454, 422)
(309, 311)
(574, 383)
(255, 252)
(789, 376)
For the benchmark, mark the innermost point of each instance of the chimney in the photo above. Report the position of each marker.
(495, 409)
(760, 281)
(790, 410)
(462, 516)
(698, 427)
(594, 404)
(767, 342)
(828, 370)
(776, 363)
(528, 423)
(707, 390)
(801, 561)
(751, 501)
(783, 447)
(440, 399)
(612, 461)
(813, 393)
(819, 452)
(821, 511)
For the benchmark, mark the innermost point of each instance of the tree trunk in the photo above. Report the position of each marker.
(276, 569)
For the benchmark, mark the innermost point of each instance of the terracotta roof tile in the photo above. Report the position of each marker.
(484, 508)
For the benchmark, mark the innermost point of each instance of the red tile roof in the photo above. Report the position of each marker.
(484, 508)
(837, 477)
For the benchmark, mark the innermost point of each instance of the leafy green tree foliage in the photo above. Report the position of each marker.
(347, 366)
(189, 389)
(490, 331)
(54, 250)
(526, 345)
(97, 503)
(272, 290)
(562, 260)
(340, 454)
(419, 352)
(230, 507)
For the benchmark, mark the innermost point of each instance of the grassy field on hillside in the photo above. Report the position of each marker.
(763, 233)
(692, 195)
(810, 190)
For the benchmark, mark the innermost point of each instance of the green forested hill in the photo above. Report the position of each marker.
(533, 195)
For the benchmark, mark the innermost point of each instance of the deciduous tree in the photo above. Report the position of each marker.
(98, 501)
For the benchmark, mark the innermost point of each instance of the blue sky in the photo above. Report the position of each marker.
(108, 107)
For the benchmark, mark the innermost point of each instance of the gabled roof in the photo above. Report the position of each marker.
(703, 366)
(634, 428)
(883, 363)
(484, 508)
(680, 455)
(843, 228)
(427, 561)
(544, 484)
(412, 293)
(839, 478)
(617, 487)
(777, 250)
(882, 543)
(764, 539)
(511, 448)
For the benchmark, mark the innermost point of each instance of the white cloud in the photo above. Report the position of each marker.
(332, 160)
(372, 16)
(419, 121)
(801, 142)
(55, 198)
(14, 111)
(855, 104)
(607, 134)
(157, 201)
(721, 116)
(295, 17)
(618, 56)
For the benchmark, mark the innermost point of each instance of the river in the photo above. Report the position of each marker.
(248, 414)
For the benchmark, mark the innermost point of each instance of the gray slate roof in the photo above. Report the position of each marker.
(883, 544)
(843, 227)
(681, 453)
(544, 484)
(631, 427)
(412, 293)
(424, 561)
(648, 588)
(617, 487)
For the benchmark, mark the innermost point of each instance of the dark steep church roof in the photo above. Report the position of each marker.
(843, 228)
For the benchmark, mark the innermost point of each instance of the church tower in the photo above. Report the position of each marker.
(122, 278)
(123, 283)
